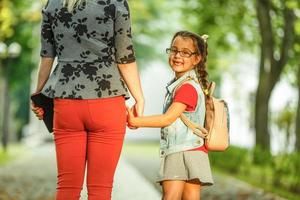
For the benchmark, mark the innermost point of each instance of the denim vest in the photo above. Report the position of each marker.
(177, 136)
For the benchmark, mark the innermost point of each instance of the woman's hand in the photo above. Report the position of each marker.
(139, 108)
(39, 112)
(131, 115)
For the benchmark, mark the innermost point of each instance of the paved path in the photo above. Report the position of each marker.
(33, 177)
(225, 187)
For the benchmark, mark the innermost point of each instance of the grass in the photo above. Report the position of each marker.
(258, 175)
(141, 147)
(268, 187)
(256, 182)
(13, 152)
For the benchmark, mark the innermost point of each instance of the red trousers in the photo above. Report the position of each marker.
(88, 132)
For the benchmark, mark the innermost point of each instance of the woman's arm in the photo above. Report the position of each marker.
(174, 111)
(43, 75)
(44, 72)
(131, 77)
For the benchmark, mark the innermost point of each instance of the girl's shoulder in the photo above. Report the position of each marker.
(186, 89)
(190, 85)
(188, 95)
(187, 85)
(191, 88)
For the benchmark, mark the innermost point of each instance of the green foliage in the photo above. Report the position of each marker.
(231, 160)
(148, 31)
(231, 26)
(7, 19)
(14, 151)
(286, 172)
(290, 71)
(261, 156)
(18, 70)
(285, 120)
(279, 173)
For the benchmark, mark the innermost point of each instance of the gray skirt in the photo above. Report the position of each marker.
(187, 166)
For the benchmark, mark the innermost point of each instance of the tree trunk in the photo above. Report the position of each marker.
(5, 125)
(297, 147)
(270, 68)
(262, 139)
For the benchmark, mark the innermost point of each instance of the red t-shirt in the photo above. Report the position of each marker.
(188, 95)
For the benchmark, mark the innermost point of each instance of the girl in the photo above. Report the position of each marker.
(184, 164)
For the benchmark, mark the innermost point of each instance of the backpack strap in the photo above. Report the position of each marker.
(196, 128)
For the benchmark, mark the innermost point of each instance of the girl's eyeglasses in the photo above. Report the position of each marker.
(184, 53)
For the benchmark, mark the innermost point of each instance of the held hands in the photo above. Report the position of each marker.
(39, 112)
(136, 111)
(130, 117)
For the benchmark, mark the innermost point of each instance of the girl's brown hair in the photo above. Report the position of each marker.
(201, 49)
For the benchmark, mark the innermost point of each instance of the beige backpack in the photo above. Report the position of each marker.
(216, 128)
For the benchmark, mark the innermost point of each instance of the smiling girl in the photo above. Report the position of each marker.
(184, 161)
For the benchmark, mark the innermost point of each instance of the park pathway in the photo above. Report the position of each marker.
(32, 177)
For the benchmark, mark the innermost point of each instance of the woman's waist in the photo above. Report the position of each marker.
(110, 60)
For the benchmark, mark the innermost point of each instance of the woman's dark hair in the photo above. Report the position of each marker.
(201, 48)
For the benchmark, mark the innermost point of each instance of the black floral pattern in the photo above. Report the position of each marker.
(47, 35)
(60, 47)
(105, 84)
(69, 72)
(47, 30)
(90, 70)
(62, 16)
(50, 91)
(89, 42)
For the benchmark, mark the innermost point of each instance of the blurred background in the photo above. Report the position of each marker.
(254, 57)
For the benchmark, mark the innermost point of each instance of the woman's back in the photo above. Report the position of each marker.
(87, 33)
(88, 41)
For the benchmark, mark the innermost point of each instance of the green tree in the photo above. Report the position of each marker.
(16, 71)
(274, 55)
(291, 75)
(297, 126)
(149, 28)
(297, 132)
(236, 25)
(7, 20)
(284, 121)
(230, 24)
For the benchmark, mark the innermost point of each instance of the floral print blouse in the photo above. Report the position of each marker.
(89, 42)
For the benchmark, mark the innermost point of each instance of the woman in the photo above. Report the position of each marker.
(93, 45)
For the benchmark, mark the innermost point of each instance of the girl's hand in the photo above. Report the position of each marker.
(136, 111)
(39, 112)
(130, 117)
